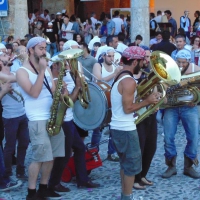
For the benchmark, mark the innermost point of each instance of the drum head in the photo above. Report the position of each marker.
(94, 115)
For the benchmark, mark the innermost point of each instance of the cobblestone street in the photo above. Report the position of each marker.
(179, 187)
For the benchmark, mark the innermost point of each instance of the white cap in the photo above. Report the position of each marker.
(69, 44)
(2, 46)
(63, 11)
(50, 24)
(56, 58)
(58, 13)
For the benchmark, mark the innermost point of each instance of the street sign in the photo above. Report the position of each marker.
(3, 5)
(3, 13)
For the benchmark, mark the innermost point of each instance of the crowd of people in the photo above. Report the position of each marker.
(28, 82)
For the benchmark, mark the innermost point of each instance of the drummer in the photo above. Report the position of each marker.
(106, 72)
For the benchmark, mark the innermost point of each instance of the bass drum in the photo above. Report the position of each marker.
(98, 113)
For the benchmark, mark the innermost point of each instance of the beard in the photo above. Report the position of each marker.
(185, 69)
(7, 63)
(37, 58)
(136, 69)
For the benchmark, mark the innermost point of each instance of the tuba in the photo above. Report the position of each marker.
(185, 92)
(60, 104)
(71, 56)
(164, 71)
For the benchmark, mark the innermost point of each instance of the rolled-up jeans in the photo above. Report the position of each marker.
(15, 129)
(189, 117)
(96, 137)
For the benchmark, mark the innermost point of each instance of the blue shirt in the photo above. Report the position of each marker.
(174, 27)
(75, 27)
(110, 25)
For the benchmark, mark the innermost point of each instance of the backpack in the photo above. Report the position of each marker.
(156, 25)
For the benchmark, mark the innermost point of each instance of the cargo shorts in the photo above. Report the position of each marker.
(128, 149)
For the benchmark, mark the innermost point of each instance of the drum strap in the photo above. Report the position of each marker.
(123, 72)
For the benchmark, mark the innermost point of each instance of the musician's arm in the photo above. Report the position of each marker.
(7, 78)
(32, 89)
(97, 72)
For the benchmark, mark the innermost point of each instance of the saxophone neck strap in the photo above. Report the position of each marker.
(46, 83)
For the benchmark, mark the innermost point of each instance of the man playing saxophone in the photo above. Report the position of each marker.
(72, 138)
(37, 86)
(188, 114)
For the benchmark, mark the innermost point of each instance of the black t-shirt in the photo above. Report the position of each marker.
(50, 33)
(55, 24)
(164, 46)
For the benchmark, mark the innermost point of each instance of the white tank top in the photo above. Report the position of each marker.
(120, 120)
(105, 73)
(70, 87)
(38, 108)
(12, 108)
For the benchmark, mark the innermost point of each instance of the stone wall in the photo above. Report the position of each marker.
(59, 5)
(16, 23)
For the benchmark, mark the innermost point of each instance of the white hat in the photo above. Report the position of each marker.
(64, 11)
(69, 44)
(50, 24)
(184, 54)
(2, 46)
(56, 58)
(58, 13)
(35, 41)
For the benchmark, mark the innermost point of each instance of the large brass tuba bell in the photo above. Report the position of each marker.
(164, 70)
(71, 56)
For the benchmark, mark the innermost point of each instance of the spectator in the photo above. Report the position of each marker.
(87, 61)
(38, 29)
(196, 15)
(185, 23)
(121, 46)
(93, 20)
(110, 25)
(66, 29)
(75, 26)
(45, 16)
(103, 31)
(128, 31)
(96, 46)
(78, 38)
(165, 45)
(157, 39)
(94, 39)
(158, 18)
(196, 50)
(172, 21)
(60, 46)
(88, 30)
(57, 24)
(138, 40)
(53, 38)
(119, 24)
(153, 25)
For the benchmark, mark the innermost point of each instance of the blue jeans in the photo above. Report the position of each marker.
(53, 47)
(189, 117)
(15, 129)
(96, 137)
(72, 141)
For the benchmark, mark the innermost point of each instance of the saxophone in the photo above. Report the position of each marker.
(71, 56)
(59, 106)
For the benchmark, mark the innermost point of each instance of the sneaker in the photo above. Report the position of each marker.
(89, 184)
(22, 176)
(113, 157)
(60, 188)
(48, 193)
(10, 185)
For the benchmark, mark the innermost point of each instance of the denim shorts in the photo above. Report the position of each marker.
(45, 147)
(128, 149)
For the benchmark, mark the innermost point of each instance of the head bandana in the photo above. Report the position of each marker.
(107, 49)
(34, 41)
(134, 52)
(184, 54)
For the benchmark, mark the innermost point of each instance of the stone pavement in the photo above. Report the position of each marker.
(178, 187)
